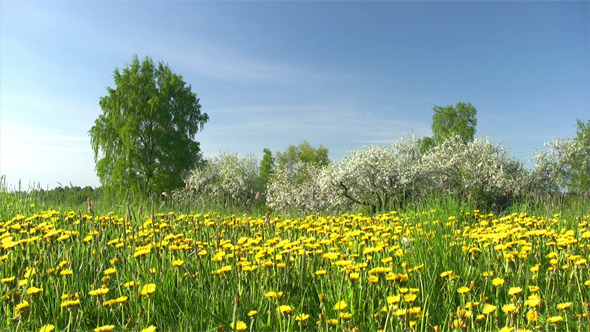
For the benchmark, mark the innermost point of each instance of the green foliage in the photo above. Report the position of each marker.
(143, 141)
(266, 167)
(460, 120)
(296, 159)
(580, 161)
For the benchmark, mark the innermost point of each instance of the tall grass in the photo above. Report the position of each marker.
(437, 264)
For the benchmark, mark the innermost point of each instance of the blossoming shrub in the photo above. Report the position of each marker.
(480, 171)
(226, 179)
(287, 192)
(377, 176)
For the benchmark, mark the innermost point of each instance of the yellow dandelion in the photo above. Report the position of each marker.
(34, 290)
(147, 289)
(99, 291)
(252, 313)
(498, 282)
(393, 299)
(555, 319)
(354, 276)
(463, 290)
(66, 272)
(446, 274)
(21, 306)
(8, 280)
(508, 308)
(563, 306)
(320, 272)
(301, 317)
(533, 301)
(70, 303)
(47, 328)
(341, 305)
(514, 290)
(345, 315)
(240, 326)
(110, 271)
(285, 309)
(104, 328)
(373, 279)
(532, 316)
(178, 262)
(488, 309)
(150, 328)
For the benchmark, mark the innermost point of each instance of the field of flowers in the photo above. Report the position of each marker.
(428, 270)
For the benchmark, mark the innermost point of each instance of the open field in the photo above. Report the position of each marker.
(425, 270)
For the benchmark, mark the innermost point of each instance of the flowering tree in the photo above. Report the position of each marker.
(377, 176)
(480, 171)
(286, 192)
(227, 178)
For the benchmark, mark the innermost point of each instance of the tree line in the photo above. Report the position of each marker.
(144, 143)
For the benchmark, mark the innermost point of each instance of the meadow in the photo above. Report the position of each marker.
(440, 267)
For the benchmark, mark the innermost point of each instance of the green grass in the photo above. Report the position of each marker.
(410, 251)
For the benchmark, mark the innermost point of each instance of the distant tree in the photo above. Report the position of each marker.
(580, 177)
(266, 167)
(448, 121)
(296, 159)
(144, 140)
(564, 165)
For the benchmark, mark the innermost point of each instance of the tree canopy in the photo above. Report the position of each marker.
(144, 140)
(450, 120)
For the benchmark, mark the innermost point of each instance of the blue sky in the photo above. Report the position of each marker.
(271, 74)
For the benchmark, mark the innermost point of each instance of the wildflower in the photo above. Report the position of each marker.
(178, 262)
(533, 301)
(301, 317)
(393, 299)
(34, 290)
(148, 289)
(534, 289)
(21, 306)
(532, 316)
(514, 290)
(400, 312)
(373, 279)
(354, 276)
(508, 308)
(252, 313)
(498, 282)
(446, 274)
(8, 280)
(240, 326)
(121, 299)
(109, 271)
(100, 291)
(66, 272)
(332, 322)
(563, 306)
(47, 328)
(345, 316)
(463, 290)
(104, 328)
(409, 298)
(554, 319)
(150, 328)
(70, 303)
(341, 305)
(320, 272)
(285, 309)
(130, 284)
(488, 309)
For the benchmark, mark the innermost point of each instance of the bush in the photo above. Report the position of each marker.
(226, 180)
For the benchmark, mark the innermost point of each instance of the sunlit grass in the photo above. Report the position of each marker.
(426, 270)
